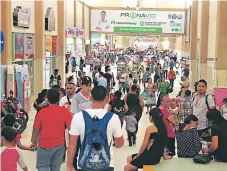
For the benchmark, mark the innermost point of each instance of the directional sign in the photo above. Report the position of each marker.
(1, 41)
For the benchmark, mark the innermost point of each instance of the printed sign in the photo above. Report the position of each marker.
(1, 41)
(138, 21)
(19, 46)
(220, 94)
(50, 20)
(74, 32)
(27, 89)
(49, 44)
(54, 45)
(21, 17)
(29, 46)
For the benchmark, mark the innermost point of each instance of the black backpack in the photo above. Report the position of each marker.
(118, 109)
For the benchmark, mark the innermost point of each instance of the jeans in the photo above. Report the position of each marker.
(171, 82)
(171, 145)
(109, 169)
(50, 159)
(131, 137)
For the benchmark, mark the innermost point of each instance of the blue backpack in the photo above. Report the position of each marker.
(95, 149)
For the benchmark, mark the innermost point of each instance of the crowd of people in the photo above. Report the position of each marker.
(84, 119)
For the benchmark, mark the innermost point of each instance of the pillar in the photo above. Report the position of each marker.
(39, 47)
(221, 44)
(204, 29)
(61, 40)
(6, 28)
(193, 38)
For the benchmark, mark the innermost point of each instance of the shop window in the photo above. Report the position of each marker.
(30, 64)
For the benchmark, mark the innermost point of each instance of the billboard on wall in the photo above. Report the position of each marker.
(138, 21)
(29, 46)
(19, 46)
(54, 45)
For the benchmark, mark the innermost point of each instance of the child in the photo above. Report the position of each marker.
(131, 127)
(223, 109)
(9, 120)
(175, 110)
(10, 156)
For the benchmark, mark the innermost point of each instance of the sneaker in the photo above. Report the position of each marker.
(134, 143)
(130, 145)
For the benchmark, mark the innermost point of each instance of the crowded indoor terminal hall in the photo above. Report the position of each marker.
(123, 85)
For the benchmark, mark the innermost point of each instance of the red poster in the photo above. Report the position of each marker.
(54, 45)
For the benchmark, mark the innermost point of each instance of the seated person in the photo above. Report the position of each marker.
(153, 147)
(218, 146)
(223, 109)
(188, 140)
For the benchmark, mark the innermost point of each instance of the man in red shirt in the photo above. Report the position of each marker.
(50, 125)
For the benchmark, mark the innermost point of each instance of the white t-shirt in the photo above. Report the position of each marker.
(64, 102)
(113, 128)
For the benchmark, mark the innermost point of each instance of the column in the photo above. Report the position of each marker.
(204, 38)
(193, 38)
(6, 28)
(39, 47)
(221, 44)
(61, 40)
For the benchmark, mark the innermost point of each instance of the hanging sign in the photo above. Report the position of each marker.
(137, 21)
(21, 17)
(19, 46)
(1, 41)
(74, 32)
(49, 44)
(50, 20)
(54, 45)
(29, 46)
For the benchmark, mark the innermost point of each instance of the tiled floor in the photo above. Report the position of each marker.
(121, 154)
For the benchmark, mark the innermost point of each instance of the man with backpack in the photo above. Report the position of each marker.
(96, 127)
(55, 80)
(202, 103)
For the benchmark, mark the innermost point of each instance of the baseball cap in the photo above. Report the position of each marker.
(56, 70)
(86, 80)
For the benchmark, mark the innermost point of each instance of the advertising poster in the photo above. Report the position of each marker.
(219, 95)
(74, 32)
(27, 89)
(29, 46)
(54, 45)
(138, 21)
(19, 46)
(49, 44)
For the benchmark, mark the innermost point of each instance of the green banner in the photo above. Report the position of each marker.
(138, 29)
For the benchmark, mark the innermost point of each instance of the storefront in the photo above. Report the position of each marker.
(74, 43)
(51, 46)
(51, 58)
(23, 68)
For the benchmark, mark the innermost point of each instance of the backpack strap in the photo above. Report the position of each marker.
(88, 120)
(105, 120)
(206, 101)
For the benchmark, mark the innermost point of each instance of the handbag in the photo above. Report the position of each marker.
(144, 95)
(202, 158)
